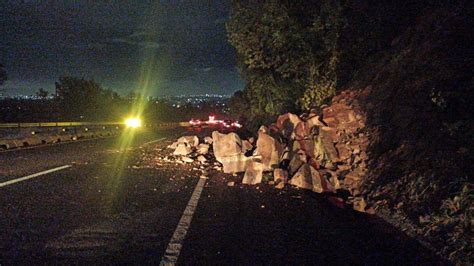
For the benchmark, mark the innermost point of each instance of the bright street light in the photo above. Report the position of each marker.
(133, 122)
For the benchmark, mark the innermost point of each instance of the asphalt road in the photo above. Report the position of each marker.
(119, 204)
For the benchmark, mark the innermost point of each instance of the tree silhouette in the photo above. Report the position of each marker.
(3, 75)
(42, 94)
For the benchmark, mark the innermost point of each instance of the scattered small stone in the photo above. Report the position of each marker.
(231, 184)
(253, 174)
(359, 204)
(201, 159)
(187, 159)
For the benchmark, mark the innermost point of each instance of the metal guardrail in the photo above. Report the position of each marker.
(17, 135)
(55, 124)
(71, 124)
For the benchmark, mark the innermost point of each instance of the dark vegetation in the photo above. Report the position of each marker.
(79, 99)
(3, 75)
(295, 55)
(420, 113)
(410, 62)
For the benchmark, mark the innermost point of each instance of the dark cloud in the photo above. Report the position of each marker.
(112, 41)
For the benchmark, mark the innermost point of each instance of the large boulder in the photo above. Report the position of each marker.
(270, 150)
(253, 173)
(326, 144)
(320, 183)
(303, 177)
(287, 118)
(295, 164)
(307, 177)
(192, 141)
(226, 145)
(331, 176)
(302, 131)
(235, 163)
(287, 123)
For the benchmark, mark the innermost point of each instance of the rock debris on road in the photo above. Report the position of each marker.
(123, 205)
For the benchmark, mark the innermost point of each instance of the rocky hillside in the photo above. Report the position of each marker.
(397, 137)
(416, 99)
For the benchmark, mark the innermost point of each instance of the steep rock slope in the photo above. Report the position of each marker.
(417, 98)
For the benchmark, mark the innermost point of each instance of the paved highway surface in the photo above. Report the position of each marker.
(114, 205)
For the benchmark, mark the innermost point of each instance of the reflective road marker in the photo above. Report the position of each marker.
(176, 242)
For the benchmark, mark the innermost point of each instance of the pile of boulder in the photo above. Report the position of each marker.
(323, 153)
(189, 150)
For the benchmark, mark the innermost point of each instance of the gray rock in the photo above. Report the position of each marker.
(314, 121)
(202, 148)
(201, 159)
(295, 165)
(182, 149)
(235, 164)
(187, 159)
(208, 140)
(270, 150)
(246, 146)
(286, 123)
(263, 129)
(173, 146)
(226, 145)
(280, 175)
(303, 177)
(254, 173)
(192, 141)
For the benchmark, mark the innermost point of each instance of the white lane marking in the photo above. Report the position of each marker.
(176, 242)
(10, 182)
(150, 142)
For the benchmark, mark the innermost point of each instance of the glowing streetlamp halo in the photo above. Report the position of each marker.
(133, 122)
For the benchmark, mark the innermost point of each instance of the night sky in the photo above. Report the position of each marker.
(181, 45)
